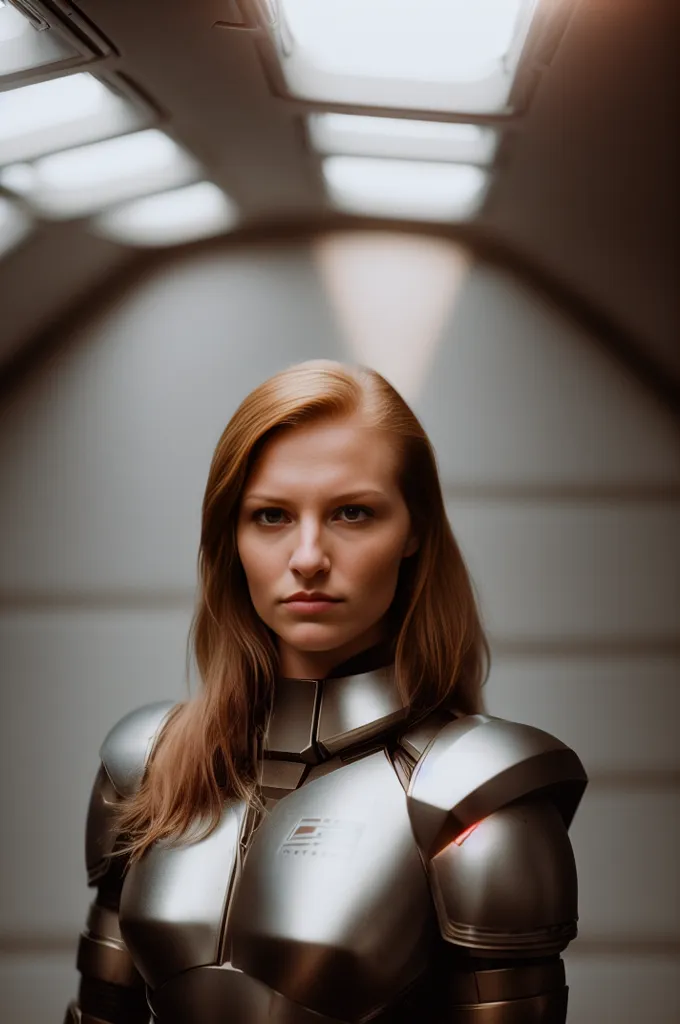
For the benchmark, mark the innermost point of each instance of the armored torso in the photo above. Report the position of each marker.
(402, 870)
(320, 909)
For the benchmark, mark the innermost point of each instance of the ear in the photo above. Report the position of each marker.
(412, 545)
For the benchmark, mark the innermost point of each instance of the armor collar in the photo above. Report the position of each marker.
(314, 719)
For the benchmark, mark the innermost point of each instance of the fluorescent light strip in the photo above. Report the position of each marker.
(170, 218)
(401, 138)
(25, 48)
(60, 114)
(407, 189)
(89, 178)
(446, 55)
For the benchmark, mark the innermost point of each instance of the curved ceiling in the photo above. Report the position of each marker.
(583, 190)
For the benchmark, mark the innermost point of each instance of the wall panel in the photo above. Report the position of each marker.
(562, 480)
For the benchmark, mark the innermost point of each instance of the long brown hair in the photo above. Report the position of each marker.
(209, 746)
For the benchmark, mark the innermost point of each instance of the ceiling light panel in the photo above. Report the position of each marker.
(410, 189)
(83, 180)
(170, 218)
(453, 56)
(33, 41)
(60, 114)
(401, 138)
(14, 225)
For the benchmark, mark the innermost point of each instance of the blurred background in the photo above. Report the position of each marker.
(478, 200)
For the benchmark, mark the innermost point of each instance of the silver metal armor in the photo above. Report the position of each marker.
(403, 871)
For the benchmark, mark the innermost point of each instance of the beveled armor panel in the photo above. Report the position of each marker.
(174, 900)
(524, 902)
(224, 995)
(333, 908)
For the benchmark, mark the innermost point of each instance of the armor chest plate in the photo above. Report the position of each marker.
(323, 913)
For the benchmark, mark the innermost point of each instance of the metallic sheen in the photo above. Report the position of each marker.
(125, 750)
(356, 708)
(469, 772)
(497, 905)
(174, 900)
(333, 906)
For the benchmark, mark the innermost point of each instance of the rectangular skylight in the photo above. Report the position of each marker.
(60, 114)
(33, 40)
(83, 180)
(402, 138)
(181, 215)
(409, 189)
(458, 56)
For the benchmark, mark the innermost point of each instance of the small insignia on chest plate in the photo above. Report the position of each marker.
(322, 837)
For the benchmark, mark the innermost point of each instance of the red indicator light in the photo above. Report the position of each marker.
(459, 840)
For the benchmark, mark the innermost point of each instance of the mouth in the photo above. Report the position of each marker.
(311, 605)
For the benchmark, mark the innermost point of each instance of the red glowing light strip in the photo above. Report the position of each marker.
(463, 836)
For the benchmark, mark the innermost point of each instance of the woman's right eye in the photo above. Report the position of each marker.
(266, 511)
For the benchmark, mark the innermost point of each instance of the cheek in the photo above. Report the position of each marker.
(254, 565)
(377, 562)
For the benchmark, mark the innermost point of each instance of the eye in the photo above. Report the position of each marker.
(357, 508)
(265, 511)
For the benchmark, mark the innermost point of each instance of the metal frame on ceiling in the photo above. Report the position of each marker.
(547, 29)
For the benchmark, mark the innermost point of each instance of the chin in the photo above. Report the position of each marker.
(313, 637)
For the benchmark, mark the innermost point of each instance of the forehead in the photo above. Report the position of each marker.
(327, 455)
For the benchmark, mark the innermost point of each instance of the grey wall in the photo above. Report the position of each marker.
(559, 473)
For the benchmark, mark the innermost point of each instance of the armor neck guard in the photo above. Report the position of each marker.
(315, 719)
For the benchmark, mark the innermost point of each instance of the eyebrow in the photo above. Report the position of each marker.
(348, 497)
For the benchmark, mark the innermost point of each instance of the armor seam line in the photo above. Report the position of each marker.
(316, 716)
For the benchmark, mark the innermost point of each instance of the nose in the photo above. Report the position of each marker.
(309, 554)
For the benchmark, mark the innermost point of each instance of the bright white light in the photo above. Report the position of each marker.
(23, 47)
(185, 214)
(19, 178)
(456, 55)
(12, 24)
(14, 225)
(401, 138)
(418, 39)
(59, 114)
(84, 180)
(411, 189)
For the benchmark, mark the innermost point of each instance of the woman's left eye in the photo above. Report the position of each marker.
(357, 508)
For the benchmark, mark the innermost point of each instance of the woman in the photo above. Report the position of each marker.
(331, 830)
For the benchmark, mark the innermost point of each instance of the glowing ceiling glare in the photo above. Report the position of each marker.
(410, 189)
(28, 44)
(392, 294)
(356, 135)
(443, 55)
(59, 114)
(14, 225)
(84, 180)
(182, 215)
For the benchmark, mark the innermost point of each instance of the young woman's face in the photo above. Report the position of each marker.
(321, 511)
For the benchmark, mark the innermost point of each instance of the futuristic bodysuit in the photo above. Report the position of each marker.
(404, 871)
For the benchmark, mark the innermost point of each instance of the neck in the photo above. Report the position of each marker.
(344, 662)
(294, 664)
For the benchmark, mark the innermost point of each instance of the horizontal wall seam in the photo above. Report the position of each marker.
(636, 780)
(516, 647)
(540, 493)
